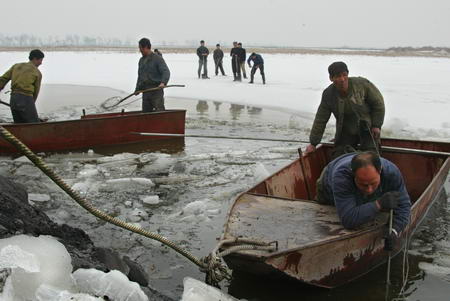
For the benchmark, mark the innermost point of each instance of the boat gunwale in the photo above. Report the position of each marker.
(129, 114)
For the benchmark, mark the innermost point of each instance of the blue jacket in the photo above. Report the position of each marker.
(258, 60)
(353, 208)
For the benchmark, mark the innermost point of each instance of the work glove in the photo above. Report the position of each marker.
(389, 200)
(390, 239)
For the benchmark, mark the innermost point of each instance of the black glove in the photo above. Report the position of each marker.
(390, 239)
(389, 200)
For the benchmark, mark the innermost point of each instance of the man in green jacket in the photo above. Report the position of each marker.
(152, 73)
(25, 85)
(358, 107)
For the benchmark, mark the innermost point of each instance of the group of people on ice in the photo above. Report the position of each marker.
(238, 59)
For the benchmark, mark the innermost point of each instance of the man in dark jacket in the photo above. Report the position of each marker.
(242, 58)
(235, 62)
(153, 72)
(202, 53)
(358, 107)
(25, 85)
(218, 59)
(258, 63)
(361, 185)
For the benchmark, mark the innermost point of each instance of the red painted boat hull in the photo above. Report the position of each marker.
(95, 131)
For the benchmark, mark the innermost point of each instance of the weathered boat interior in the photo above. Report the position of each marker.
(281, 208)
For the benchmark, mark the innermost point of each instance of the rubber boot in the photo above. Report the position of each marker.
(264, 79)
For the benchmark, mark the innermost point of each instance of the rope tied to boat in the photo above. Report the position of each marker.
(215, 269)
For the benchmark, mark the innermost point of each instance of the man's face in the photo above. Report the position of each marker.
(367, 179)
(218, 47)
(340, 81)
(144, 50)
(37, 62)
(235, 45)
(202, 44)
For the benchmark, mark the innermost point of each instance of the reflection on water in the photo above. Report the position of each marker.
(202, 107)
(254, 110)
(236, 110)
(217, 104)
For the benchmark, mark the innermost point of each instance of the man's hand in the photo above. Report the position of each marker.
(310, 148)
(376, 133)
(389, 239)
(389, 200)
(161, 85)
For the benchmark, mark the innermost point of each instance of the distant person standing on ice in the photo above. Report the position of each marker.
(202, 53)
(218, 59)
(234, 53)
(153, 72)
(158, 52)
(358, 107)
(242, 53)
(25, 85)
(258, 63)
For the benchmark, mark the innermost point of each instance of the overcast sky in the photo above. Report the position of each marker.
(312, 23)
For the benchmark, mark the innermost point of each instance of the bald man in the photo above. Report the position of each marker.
(361, 185)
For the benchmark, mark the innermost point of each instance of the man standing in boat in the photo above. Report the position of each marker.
(358, 107)
(361, 185)
(152, 73)
(25, 85)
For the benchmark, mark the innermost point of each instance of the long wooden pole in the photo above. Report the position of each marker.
(385, 148)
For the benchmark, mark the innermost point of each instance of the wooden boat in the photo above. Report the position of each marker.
(313, 247)
(94, 130)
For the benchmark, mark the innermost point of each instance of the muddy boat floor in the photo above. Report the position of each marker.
(293, 223)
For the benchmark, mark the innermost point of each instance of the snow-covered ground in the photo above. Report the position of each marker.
(416, 90)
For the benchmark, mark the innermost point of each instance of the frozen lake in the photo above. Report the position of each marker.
(196, 182)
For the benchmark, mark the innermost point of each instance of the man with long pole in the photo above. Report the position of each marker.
(152, 73)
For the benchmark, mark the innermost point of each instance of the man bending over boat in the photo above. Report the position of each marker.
(361, 185)
(358, 107)
(153, 72)
(25, 85)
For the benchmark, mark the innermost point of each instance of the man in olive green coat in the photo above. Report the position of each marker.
(25, 85)
(358, 107)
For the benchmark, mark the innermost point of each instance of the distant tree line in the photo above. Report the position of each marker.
(419, 49)
(27, 40)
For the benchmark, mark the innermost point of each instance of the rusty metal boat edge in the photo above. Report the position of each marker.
(95, 130)
(339, 256)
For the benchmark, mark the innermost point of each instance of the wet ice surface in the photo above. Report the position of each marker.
(185, 195)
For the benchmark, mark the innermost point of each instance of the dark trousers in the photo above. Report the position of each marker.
(219, 65)
(261, 70)
(23, 108)
(235, 66)
(153, 101)
(203, 62)
(351, 143)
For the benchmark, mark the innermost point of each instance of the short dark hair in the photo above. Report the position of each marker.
(36, 54)
(145, 43)
(337, 68)
(366, 159)
(202, 41)
(253, 54)
(240, 43)
(217, 44)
